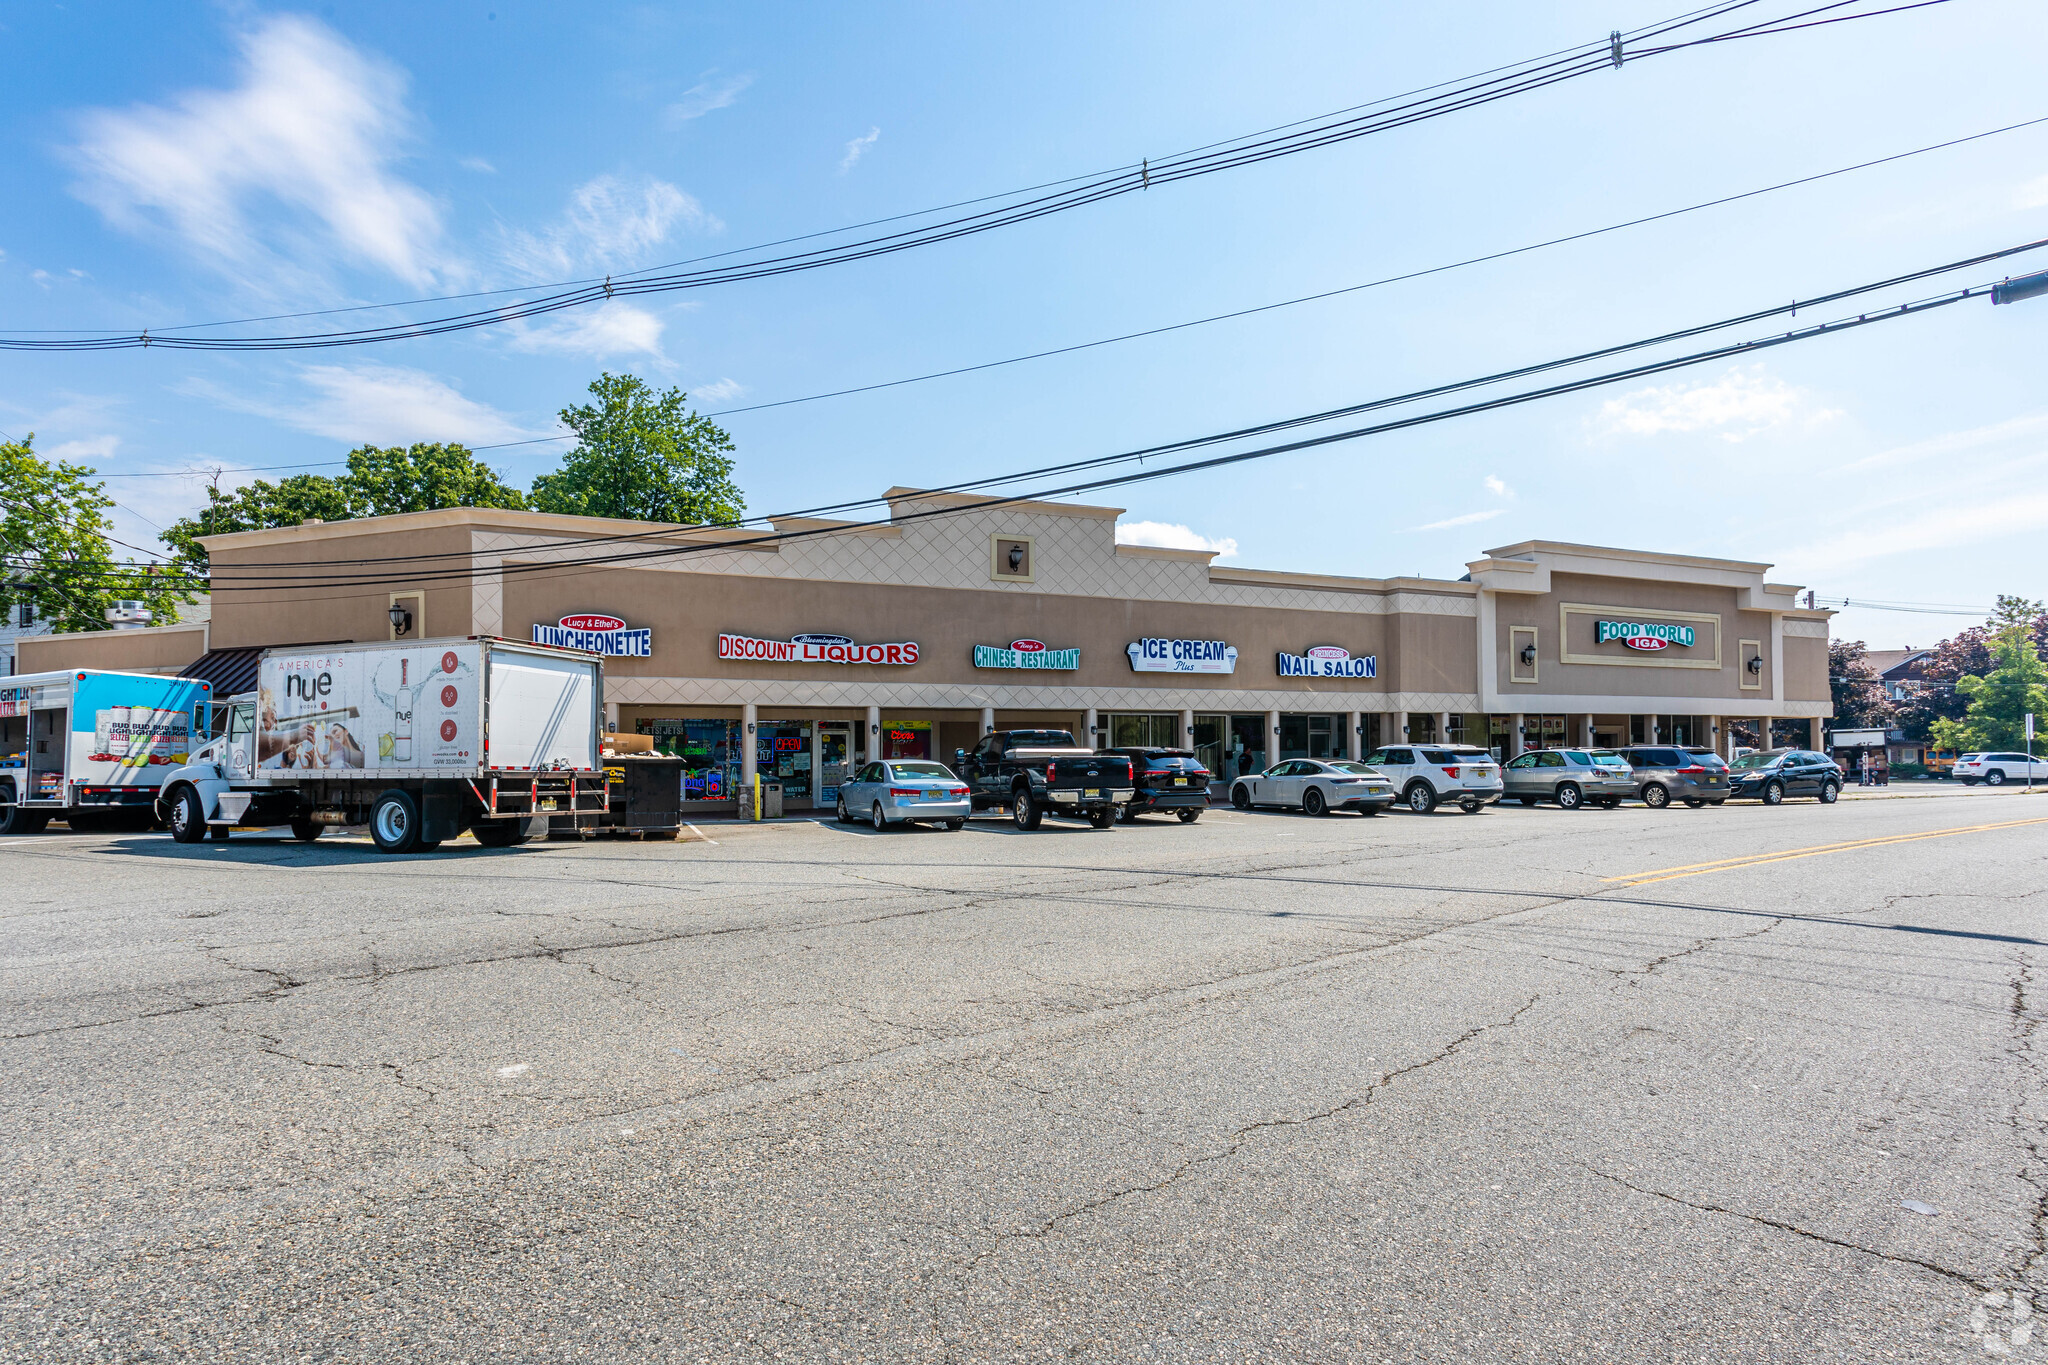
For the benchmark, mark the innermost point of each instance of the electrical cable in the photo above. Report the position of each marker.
(1521, 79)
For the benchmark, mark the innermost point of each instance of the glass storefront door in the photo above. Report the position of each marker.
(710, 750)
(1208, 742)
(835, 751)
(907, 739)
(1248, 748)
(1311, 736)
(782, 749)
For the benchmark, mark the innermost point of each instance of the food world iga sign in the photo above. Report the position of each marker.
(597, 634)
(1025, 654)
(1326, 661)
(1182, 656)
(815, 649)
(1642, 635)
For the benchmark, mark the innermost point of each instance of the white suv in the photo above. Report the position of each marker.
(1995, 770)
(1426, 774)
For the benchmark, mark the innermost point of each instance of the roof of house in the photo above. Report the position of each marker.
(1894, 662)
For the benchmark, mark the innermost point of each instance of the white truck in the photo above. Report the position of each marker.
(88, 746)
(419, 740)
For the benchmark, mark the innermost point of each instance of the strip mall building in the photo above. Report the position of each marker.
(800, 655)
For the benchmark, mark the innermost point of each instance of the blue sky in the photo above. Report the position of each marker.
(173, 164)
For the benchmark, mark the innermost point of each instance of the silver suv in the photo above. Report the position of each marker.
(1426, 774)
(1570, 777)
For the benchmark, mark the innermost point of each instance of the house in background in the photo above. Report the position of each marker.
(1902, 672)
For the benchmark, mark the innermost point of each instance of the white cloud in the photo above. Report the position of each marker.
(1499, 489)
(381, 404)
(293, 166)
(608, 225)
(1168, 535)
(855, 148)
(1953, 443)
(1741, 404)
(477, 164)
(613, 328)
(712, 92)
(724, 391)
(84, 448)
(1974, 524)
(1466, 520)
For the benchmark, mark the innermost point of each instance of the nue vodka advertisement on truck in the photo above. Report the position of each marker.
(370, 709)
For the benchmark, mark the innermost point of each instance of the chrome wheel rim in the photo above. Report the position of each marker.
(391, 823)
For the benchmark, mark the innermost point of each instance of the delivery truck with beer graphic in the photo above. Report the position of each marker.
(418, 739)
(91, 747)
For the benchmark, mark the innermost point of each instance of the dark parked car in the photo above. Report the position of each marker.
(1667, 772)
(1168, 780)
(1034, 772)
(1771, 775)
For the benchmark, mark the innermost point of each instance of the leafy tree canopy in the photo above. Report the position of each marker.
(59, 560)
(380, 481)
(2015, 686)
(643, 456)
(1860, 700)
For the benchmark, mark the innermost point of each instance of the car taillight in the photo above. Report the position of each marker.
(1130, 771)
(1048, 774)
(1450, 772)
(1695, 768)
(903, 791)
(957, 791)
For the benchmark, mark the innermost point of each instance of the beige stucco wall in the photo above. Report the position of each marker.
(278, 612)
(161, 649)
(1664, 673)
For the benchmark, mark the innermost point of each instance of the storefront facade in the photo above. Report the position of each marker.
(797, 658)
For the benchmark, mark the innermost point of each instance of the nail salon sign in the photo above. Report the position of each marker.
(1326, 661)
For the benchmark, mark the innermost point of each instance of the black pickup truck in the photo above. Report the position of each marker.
(1036, 771)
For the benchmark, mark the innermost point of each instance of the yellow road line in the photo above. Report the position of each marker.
(1670, 874)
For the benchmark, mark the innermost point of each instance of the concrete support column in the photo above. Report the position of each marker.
(1515, 744)
(871, 742)
(1187, 729)
(749, 717)
(1272, 738)
(1817, 735)
(1763, 732)
(611, 716)
(1586, 731)
(1443, 727)
(1651, 733)
(1091, 740)
(988, 719)
(1397, 728)
(1354, 739)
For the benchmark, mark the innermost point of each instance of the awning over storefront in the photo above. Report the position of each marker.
(231, 671)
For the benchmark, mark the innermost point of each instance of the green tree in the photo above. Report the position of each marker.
(381, 480)
(59, 557)
(1860, 700)
(2017, 684)
(421, 478)
(642, 456)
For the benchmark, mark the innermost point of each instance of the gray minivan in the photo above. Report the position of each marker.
(1698, 777)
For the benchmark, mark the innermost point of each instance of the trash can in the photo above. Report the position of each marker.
(771, 800)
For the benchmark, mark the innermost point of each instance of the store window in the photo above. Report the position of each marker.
(1209, 741)
(782, 751)
(1134, 731)
(1247, 748)
(1311, 736)
(710, 750)
(907, 739)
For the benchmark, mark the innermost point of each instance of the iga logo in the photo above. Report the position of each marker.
(1646, 642)
(592, 622)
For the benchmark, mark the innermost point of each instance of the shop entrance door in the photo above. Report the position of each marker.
(835, 753)
(783, 749)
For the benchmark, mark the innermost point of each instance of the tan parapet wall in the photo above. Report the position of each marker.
(153, 649)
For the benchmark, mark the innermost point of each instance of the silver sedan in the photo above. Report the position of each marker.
(905, 791)
(1317, 786)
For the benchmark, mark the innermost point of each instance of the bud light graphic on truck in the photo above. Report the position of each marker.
(127, 730)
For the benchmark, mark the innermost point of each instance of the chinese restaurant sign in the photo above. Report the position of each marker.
(1025, 654)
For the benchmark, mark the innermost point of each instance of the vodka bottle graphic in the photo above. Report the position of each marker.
(401, 717)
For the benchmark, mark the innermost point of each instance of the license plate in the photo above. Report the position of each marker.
(1180, 781)
(547, 803)
(1092, 791)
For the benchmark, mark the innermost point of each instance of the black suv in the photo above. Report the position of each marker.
(1168, 780)
(1771, 775)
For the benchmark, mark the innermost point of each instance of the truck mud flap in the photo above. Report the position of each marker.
(441, 810)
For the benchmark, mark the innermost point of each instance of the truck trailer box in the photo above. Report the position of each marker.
(90, 746)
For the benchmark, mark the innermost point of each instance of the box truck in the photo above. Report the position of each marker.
(90, 747)
(419, 740)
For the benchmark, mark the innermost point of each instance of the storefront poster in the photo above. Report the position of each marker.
(599, 634)
(1643, 635)
(815, 649)
(710, 750)
(1025, 654)
(1326, 661)
(1182, 656)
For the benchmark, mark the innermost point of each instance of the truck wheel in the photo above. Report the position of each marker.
(1102, 817)
(1188, 815)
(1025, 810)
(306, 830)
(395, 822)
(187, 816)
(19, 821)
(86, 821)
(500, 833)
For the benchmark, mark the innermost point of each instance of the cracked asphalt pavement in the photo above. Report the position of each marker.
(1722, 1085)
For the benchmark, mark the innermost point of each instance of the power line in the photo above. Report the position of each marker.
(1249, 150)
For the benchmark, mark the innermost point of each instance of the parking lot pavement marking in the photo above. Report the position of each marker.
(1672, 874)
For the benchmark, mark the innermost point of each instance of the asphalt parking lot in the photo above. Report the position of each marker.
(1722, 1085)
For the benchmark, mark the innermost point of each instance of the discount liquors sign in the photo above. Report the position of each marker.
(598, 634)
(815, 649)
(1645, 635)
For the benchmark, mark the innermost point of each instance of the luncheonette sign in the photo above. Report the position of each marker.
(1182, 656)
(1642, 635)
(1326, 661)
(598, 634)
(815, 649)
(1025, 654)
